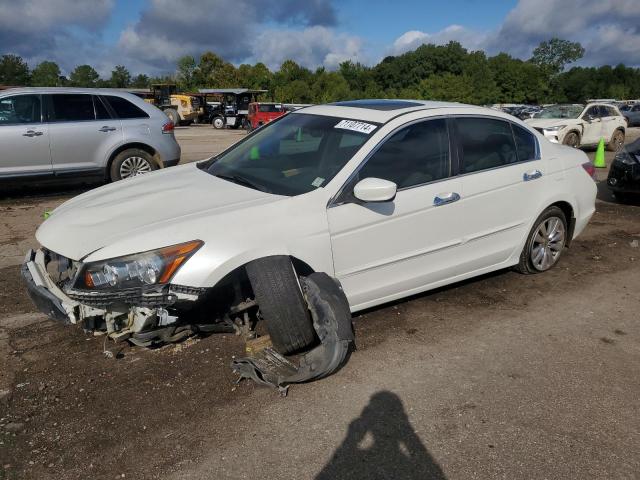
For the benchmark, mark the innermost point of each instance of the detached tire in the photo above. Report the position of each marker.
(282, 306)
(131, 163)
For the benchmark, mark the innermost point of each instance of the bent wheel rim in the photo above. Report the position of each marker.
(133, 166)
(547, 244)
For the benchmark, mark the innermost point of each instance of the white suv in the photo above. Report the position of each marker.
(579, 125)
(388, 197)
(103, 134)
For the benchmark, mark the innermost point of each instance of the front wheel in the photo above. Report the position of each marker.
(572, 140)
(545, 242)
(131, 163)
(617, 141)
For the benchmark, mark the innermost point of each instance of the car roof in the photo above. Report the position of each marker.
(94, 91)
(382, 110)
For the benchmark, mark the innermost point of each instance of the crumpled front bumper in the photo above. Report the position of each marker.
(44, 293)
(122, 313)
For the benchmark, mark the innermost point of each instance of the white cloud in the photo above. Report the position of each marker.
(412, 39)
(310, 47)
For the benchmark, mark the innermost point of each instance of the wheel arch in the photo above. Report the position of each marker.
(568, 211)
(139, 145)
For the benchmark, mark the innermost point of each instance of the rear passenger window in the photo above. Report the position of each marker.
(486, 143)
(101, 110)
(124, 108)
(414, 155)
(20, 109)
(525, 143)
(72, 108)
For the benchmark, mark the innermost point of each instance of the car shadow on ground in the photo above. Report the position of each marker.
(382, 444)
(15, 192)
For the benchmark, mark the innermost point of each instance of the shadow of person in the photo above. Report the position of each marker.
(381, 444)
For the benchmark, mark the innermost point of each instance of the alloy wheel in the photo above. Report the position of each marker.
(133, 166)
(547, 243)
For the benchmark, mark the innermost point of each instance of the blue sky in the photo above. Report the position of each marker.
(150, 35)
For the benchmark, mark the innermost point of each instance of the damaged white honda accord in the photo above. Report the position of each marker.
(386, 197)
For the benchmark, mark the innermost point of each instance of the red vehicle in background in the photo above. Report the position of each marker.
(261, 113)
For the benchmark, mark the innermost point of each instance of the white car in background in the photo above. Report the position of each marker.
(388, 197)
(578, 125)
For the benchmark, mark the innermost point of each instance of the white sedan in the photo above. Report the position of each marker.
(389, 197)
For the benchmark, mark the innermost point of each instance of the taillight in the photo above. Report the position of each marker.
(168, 127)
(590, 169)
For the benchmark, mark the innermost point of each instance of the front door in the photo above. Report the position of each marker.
(24, 137)
(593, 126)
(383, 251)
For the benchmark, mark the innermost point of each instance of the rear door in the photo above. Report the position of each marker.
(610, 121)
(83, 133)
(24, 137)
(503, 181)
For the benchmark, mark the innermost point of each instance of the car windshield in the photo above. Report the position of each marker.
(293, 155)
(561, 111)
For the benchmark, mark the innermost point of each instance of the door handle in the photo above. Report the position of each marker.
(444, 198)
(107, 129)
(531, 175)
(32, 133)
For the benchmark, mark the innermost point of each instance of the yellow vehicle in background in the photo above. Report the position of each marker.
(181, 108)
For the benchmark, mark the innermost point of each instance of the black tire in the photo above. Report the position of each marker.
(217, 122)
(282, 306)
(617, 141)
(526, 264)
(173, 115)
(132, 157)
(572, 139)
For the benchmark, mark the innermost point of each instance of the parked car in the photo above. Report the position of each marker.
(389, 197)
(261, 113)
(624, 173)
(579, 125)
(632, 114)
(104, 134)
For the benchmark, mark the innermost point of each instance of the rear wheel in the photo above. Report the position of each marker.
(617, 141)
(217, 123)
(173, 115)
(572, 139)
(545, 243)
(282, 306)
(131, 163)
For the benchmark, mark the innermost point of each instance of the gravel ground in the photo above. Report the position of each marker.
(505, 376)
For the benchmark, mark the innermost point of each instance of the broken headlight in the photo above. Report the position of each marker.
(141, 269)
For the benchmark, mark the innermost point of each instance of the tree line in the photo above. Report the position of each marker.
(433, 72)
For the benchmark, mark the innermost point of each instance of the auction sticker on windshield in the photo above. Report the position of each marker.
(356, 126)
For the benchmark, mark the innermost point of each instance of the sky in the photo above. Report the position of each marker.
(148, 36)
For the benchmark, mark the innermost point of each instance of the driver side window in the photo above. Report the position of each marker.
(412, 156)
(593, 112)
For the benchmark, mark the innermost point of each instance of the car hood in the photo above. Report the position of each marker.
(550, 122)
(153, 202)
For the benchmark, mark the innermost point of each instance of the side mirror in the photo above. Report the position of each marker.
(590, 118)
(375, 190)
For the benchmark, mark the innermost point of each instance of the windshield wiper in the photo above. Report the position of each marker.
(235, 178)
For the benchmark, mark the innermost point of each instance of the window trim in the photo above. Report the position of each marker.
(343, 196)
(42, 117)
(96, 99)
(51, 109)
(538, 155)
(455, 155)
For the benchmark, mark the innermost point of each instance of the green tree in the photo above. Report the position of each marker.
(448, 87)
(140, 81)
(186, 72)
(13, 71)
(46, 74)
(555, 54)
(120, 77)
(84, 76)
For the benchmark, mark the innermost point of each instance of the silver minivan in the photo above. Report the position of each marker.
(51, 133)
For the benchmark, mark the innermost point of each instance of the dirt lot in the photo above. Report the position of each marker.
(505, 376)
